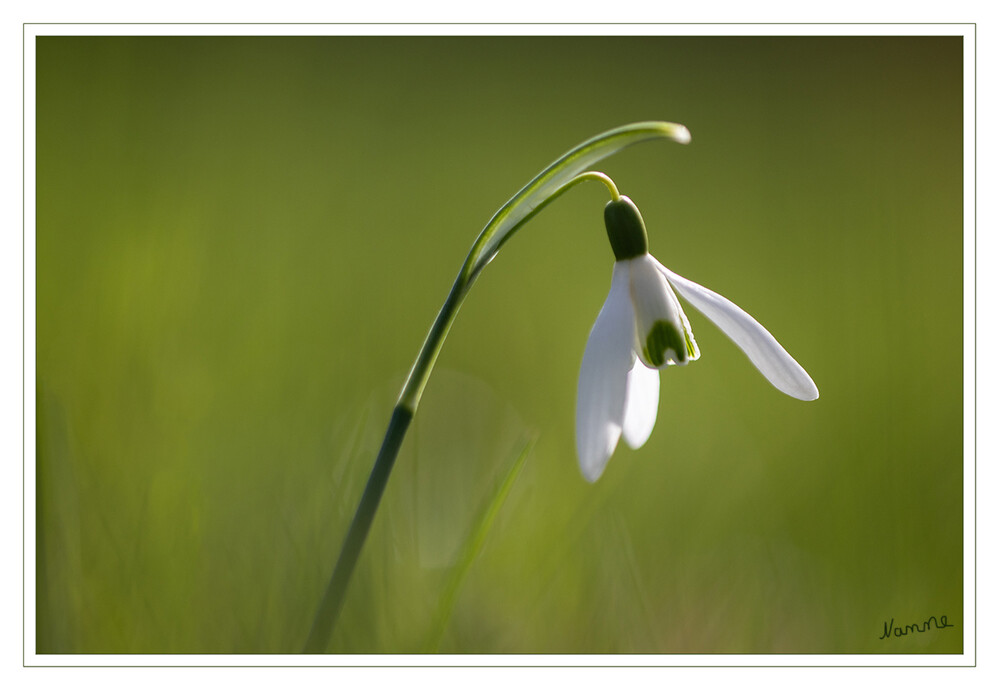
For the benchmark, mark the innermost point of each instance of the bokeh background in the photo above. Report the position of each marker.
(241, 243)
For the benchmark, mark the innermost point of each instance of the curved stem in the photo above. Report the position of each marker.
(474, 263)
(551, 183)
(539, 190)
(409, 400)
(599, 177)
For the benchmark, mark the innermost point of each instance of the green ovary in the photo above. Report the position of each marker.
(666, 343)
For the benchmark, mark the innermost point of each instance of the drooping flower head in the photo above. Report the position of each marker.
(642, 329)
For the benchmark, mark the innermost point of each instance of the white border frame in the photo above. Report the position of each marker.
(969, 623)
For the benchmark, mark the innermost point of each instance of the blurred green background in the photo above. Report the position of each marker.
(241, 243)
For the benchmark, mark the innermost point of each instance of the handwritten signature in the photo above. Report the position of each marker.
(898, 631)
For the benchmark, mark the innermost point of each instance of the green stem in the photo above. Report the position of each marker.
(409, 400)
(552, 182)
(329, 608)
(474, 263)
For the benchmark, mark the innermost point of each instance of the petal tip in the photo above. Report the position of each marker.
(591, 477)
(804, 390)
(592, 465)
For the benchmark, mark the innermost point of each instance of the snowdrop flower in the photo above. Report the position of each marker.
(642, 329)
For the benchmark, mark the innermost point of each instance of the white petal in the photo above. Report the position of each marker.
(663, 334)
(603, 378)
(763, 350)
(641, 404)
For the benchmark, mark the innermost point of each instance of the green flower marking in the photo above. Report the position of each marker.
(665, 343)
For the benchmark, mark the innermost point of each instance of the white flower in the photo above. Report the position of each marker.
(641, 329)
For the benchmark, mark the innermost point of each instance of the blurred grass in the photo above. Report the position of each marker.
(241, 243)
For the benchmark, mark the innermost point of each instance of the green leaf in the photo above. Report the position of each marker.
(473, 545)
(557, 177)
